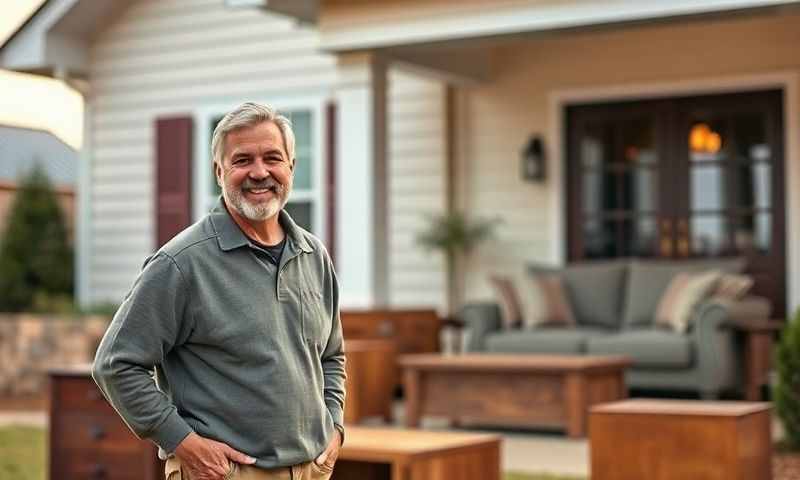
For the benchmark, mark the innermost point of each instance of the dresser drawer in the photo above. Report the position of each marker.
(94, 431)
(104, 465)
(82, 394)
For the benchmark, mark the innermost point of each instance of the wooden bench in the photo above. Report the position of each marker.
(679, 439)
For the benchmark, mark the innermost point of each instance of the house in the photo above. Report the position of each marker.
(664, 129)
(22, 149)
(158, 75)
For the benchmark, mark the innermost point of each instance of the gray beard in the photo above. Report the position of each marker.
(256, 212)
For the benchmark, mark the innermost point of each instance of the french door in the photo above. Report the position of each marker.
(681, 178)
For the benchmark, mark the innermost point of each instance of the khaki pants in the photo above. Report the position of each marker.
(238, 471)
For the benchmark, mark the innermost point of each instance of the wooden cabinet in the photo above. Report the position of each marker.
(88, 440)
(413, 331)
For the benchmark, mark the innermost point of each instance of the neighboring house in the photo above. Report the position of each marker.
(158, 75)
(669, 128)
(21, 149)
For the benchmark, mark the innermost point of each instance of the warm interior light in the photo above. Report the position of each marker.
(704, 140)
(697, 137)
(713, 142)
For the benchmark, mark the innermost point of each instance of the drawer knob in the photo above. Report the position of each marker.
(96, 432)
(98, 472)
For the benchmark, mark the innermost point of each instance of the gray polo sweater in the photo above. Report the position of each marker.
(245, 352)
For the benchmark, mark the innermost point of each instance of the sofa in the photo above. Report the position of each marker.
(614, 304)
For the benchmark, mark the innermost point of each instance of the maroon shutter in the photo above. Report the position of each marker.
(330, 184)
(173, 177)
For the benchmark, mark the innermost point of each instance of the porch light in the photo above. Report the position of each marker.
(533, 167)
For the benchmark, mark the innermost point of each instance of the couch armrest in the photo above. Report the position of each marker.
(719, 358)
(479, 320)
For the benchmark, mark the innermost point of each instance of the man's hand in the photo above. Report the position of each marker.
(328, 457)
(207, 459)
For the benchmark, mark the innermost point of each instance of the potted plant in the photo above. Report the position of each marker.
(453, 234)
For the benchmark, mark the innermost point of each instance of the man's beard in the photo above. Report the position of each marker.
(234, 197)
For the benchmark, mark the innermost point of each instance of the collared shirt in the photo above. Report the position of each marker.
(245, 352)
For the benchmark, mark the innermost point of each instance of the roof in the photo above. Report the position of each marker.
(24, 24)
(22, 148)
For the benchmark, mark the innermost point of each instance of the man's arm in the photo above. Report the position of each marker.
(146, 326)
(333, 357)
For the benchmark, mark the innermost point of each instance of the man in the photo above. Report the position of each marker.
(238, 315)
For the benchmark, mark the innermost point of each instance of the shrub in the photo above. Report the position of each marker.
(787, 389)
(35, 257)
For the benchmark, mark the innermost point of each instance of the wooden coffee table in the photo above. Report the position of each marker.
(665, 439)
(383, 453)
(519, 390)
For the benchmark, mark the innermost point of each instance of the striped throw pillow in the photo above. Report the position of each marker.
(684, 292)
(548, 303)
(508, 299)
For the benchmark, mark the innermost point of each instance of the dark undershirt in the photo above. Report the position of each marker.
(273, 252)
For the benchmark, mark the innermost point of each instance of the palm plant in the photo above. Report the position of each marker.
(453, 234)
(787, 390)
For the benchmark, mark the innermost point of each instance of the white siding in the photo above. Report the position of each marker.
(417, 136)
(172, 57)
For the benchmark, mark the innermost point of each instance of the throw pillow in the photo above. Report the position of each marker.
(508, 299)
(682, 295)
(548, 303)
(733, 286)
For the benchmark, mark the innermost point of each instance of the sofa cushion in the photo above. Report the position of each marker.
(546, 302)
(647, 281)
(595, 290)
(543, 340)
(648, 348)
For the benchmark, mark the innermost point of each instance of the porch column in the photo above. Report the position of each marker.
(361, 181)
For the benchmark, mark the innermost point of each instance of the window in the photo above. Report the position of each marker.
(304, 204)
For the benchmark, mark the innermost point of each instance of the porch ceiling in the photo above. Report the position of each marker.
(355, 25)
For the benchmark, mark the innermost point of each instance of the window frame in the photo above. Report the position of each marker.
(203, 197)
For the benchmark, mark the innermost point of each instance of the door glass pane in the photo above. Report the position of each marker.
(594, 146)
(754, 233)
(598, 191)
(599, 239)
(301, 125)
(638, 138)
(640, 189)
(750, 137)
(754, 185)
(301, 213)
(709, 235)
(647, 237)
(708, 187)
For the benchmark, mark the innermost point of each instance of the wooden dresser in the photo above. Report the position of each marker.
(88, 440)
(413, 330)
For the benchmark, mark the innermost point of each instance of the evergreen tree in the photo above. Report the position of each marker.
(787, 390)
(35, 256)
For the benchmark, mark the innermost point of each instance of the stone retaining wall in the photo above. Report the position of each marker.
(30, 344)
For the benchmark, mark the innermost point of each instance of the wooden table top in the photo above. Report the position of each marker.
(682, 407)
(391, 444)
(495, 362)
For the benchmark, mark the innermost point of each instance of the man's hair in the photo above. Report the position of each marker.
(250, 114)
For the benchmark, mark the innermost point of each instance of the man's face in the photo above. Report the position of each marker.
(256, 172)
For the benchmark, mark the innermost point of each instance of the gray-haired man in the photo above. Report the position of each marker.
(239, 317)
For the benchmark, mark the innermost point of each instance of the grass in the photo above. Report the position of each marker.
(22, 453)
(22, 457)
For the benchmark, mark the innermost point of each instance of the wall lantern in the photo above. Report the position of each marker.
(533, 165)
